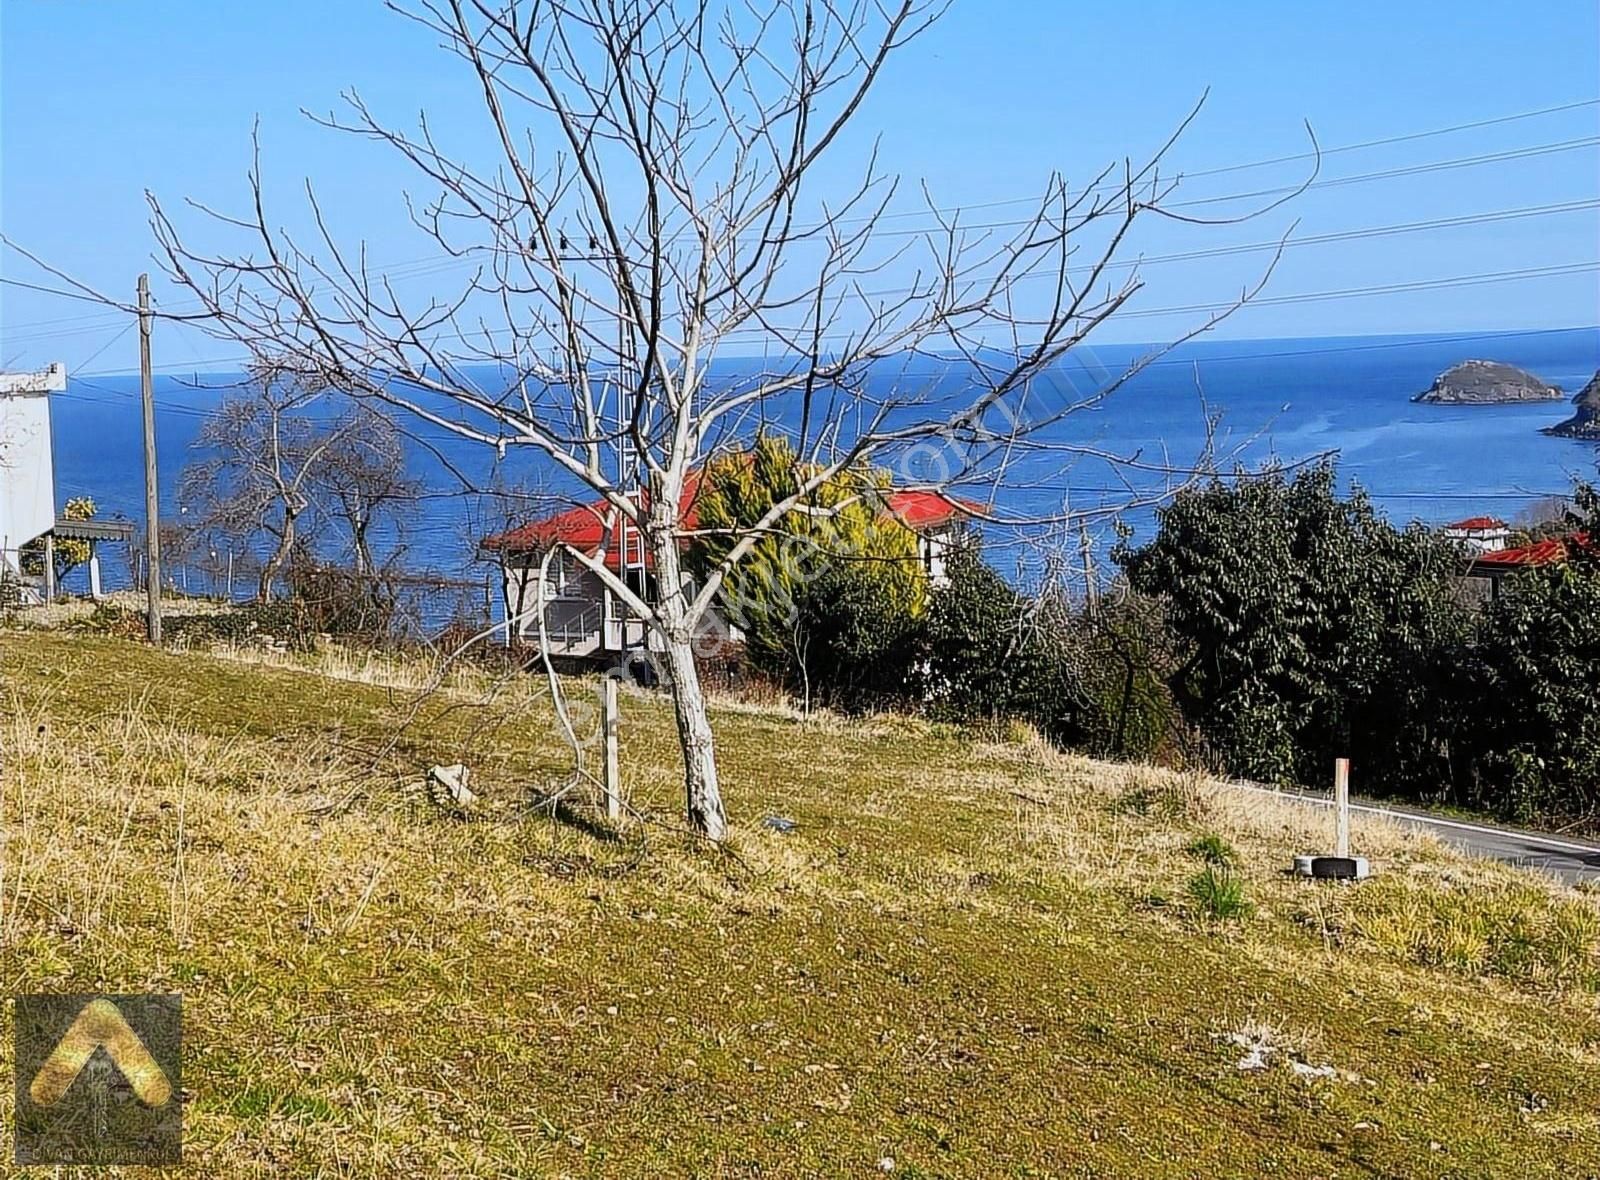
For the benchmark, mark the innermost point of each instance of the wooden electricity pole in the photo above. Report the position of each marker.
(152, 498)
(1091, 589)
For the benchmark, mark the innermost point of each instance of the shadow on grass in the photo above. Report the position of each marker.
(583, 820)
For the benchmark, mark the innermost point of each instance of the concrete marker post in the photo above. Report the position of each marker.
(1341, 802)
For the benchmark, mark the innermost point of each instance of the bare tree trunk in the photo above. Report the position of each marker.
(702, 795)
(269, 571)
(363, 551)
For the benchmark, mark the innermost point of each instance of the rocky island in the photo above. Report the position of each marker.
(1486, 383)
(1585, 420)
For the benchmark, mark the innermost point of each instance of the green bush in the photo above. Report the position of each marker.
(1308, 625)
(1122, 660)
(987, 660)
(1308, 628)
(1534, 676)
(831, 599)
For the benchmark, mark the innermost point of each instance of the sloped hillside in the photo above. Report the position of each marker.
(966, 959)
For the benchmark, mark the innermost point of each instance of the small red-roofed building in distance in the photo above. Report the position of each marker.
(584, 621)
(1480, 534)
(1496, 566)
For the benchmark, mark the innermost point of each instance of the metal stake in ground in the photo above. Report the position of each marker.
(613, 772)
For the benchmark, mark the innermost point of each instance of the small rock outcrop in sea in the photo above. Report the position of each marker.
(1585, 420)
(1485, 383)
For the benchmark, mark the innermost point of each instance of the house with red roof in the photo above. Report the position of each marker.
(1494, 567)
(1480, 534)
(584, 620)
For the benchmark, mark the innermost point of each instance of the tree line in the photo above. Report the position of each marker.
(1270, 625)
(1308, 627)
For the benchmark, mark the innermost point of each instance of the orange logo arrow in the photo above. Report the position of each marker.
(100, 1024)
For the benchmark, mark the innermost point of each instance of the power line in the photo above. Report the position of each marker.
(437, 263)
(79, 295)
(446, 263)
(1453, 222)
(1454, 281)
(1389, 289)
(1416, 169)
(97, 353)
(1299, 157)
(1301, 297)
(1378, 231)
(1286, 190)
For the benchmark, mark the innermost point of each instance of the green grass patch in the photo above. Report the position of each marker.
(256, 1102)
(1218, 893)
(1213, 850)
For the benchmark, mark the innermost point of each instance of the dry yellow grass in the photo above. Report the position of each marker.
(978, 959)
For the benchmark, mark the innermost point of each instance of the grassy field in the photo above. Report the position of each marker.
(967, 959)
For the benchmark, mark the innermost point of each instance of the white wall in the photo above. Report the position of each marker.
(935, 547)
(572, 601)
(27, 474)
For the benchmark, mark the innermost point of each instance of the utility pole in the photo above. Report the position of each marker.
(152, 498)
(1091, 588)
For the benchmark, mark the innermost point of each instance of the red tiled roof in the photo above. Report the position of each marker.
(1477, 522)
(1546, 552)
(927, 510)
(582, 527)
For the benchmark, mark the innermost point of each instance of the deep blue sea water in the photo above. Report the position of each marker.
(1284, 399)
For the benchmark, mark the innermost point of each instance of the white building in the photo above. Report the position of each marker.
(28, 485)
(27, 470)
(1480, 534)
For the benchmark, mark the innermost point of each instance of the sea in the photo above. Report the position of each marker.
(1235, 405)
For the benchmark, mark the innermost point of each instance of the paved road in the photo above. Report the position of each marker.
(1570, 860)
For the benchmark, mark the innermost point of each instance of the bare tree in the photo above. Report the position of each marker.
(650, 207)
(363, 481)
(263, 458)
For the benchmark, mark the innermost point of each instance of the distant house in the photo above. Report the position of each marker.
(27, 485)
(1480, 534)
(585, 621)
(1493, 568)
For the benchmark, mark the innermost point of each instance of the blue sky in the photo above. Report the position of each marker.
(100, 101)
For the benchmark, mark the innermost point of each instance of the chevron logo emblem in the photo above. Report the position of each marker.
(97, 1079)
